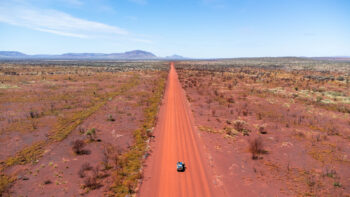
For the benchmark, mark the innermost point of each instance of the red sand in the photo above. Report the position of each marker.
(176, 140)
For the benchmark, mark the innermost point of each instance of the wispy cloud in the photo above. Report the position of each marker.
(61, 33)
(56, 22)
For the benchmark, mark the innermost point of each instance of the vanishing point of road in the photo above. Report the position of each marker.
(176, 140)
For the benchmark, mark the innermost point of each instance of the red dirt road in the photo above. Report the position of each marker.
(176, 140)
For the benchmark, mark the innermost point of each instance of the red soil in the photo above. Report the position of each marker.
(177, 140)
(303, 157)
(52, 98)
(61, 166)
(57, 171)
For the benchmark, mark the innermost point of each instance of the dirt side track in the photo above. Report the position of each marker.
(176, 140)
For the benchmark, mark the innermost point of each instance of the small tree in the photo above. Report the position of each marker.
(91, 182)
(85, 167)
(78, 146)
(256, 148)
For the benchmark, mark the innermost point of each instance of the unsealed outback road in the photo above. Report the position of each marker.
(176, 140)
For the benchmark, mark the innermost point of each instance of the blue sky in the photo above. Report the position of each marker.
(192, 28)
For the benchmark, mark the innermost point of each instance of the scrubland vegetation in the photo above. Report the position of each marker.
(287, 119)
(86, 122)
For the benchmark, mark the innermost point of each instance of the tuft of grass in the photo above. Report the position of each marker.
(5, 183)
(91, 133)
(230, 131)
(207, 129)
(110, 118)
(239, 125)
(28, 154)
(337, 184)
(33, 114)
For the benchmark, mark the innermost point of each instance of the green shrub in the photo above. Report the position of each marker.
(91, 133)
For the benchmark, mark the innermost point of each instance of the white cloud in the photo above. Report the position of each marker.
(56, 22)
(62, 33)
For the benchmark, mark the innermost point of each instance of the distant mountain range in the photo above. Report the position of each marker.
(129, 55)
(13, 54)
(335, 58)
(175, 57)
